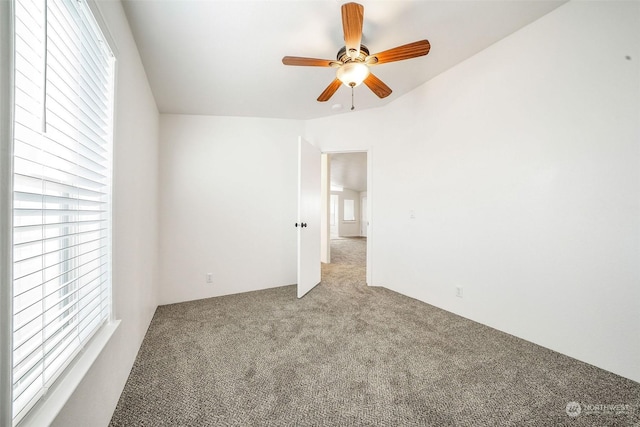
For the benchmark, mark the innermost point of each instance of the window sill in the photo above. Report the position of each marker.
(59, 393)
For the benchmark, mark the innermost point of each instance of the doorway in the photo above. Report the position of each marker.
(346, 201)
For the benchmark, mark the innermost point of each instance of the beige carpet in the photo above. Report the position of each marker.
(348, 354)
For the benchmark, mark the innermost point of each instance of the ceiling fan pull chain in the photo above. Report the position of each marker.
(352, 106)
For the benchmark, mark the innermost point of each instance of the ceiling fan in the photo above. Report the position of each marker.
(353, 60)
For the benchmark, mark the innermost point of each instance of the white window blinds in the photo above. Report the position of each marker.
(62, 201)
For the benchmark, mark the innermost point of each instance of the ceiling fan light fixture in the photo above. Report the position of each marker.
(352, 74)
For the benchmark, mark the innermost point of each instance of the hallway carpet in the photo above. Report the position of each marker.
(347, 354)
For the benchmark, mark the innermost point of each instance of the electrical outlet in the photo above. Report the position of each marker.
(209, 277)
(459, 291)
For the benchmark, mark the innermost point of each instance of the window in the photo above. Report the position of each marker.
(62, 191)
(349, 210)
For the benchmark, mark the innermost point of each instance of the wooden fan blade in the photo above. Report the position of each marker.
(309, 62)
(377, 86)
(352, 18)
(407, 51)
(330, 90)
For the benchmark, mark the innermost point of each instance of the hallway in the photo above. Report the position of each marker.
(347, 269)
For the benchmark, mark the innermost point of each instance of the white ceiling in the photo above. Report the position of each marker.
(349, 170)
(223, 57)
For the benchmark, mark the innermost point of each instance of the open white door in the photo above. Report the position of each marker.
(308, 224)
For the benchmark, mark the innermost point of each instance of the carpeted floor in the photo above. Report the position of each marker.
(348, 354)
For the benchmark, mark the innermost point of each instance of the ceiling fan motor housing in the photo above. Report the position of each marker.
(344, 57)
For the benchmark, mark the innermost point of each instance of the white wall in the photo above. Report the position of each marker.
(228, 205)
(135, 235)
(523, 166)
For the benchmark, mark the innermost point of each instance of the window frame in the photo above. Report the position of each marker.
(6, 207)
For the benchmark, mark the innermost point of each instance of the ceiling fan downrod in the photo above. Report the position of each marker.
(353, 85)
